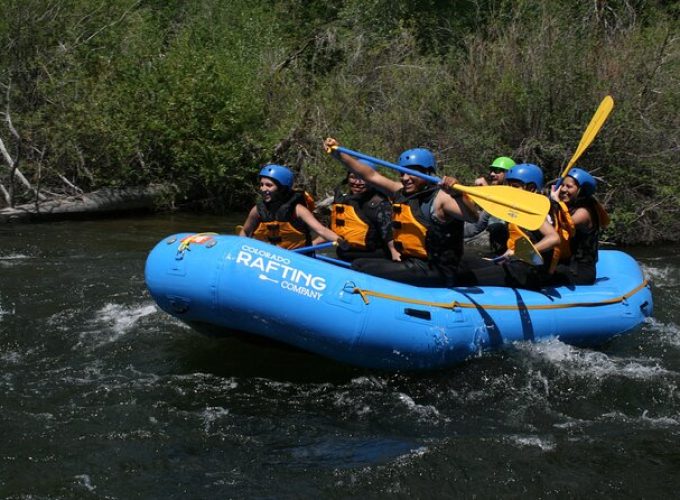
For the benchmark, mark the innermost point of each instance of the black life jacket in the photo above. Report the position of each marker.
(585, 242)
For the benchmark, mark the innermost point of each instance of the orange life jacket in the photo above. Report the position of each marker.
(409, 233)
(282, 227)
(281, 234)
(417, 235)
(560, 219)
(345, 222)
(564, 225)
(351, 219)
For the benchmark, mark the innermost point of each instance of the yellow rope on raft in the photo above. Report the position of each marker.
(464, 305)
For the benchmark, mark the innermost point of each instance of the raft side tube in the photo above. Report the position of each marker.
(247, 285)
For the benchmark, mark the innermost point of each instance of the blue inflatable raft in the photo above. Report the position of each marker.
(231, 283)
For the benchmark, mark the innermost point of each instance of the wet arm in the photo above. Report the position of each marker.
(250, 223)
(394, 253)
(313, 224)
(550, 237)
(581, 218)
(372, 177)
(459, 207)
(455, 204)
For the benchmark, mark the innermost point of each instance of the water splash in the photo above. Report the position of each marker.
(662, 277)
(85, 481)
(12, 259)
(122, 319)
(589, 363)
(113, 321)
(644, 420)
(533, 442)
(5, 312)
(663, 333)
(211, 415)
(11, 357)
(422, 411)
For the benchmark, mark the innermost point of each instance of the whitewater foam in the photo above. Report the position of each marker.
(586, 362)
(113, 321)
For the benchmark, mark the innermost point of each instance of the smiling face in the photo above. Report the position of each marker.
(568, 189)
(356, 184)
(413, 184)
(267, 188)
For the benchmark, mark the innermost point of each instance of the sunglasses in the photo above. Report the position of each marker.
(496, 170)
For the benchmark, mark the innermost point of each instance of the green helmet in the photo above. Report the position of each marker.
(503, 162)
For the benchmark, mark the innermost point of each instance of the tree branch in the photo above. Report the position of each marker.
(12, 165)
(5, 194)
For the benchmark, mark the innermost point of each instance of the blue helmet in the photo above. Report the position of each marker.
(526, 173)
(282, 175)
(585, 181)
(419, 157)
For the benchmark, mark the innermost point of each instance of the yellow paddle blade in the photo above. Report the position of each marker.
(593, 128)
(524, 208)
(526, 251)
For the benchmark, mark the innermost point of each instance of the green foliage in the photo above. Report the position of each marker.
(525, 83)
(200, 94)
(145, 91)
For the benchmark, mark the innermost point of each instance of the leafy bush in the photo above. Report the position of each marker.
(200, 94)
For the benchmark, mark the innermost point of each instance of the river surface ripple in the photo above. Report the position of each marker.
(102, 395)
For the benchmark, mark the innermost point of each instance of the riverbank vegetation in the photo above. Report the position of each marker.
(199, 94)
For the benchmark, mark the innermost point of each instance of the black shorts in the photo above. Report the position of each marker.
(514, 274)
(411, 271)
(352, 254)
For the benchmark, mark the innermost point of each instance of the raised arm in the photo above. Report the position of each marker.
(379, 181)
(454, 204)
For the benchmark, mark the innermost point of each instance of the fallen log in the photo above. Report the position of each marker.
(100, 202)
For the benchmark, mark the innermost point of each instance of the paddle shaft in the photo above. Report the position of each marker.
(333, 261)
(592, 129)
(430, 178)
(472, 191)
(313, 248)
(526, 209)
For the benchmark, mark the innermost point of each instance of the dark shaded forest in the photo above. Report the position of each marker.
(199, 94)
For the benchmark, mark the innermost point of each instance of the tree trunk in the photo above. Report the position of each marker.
(98, 202)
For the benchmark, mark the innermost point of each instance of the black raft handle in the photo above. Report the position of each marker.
(418, 313)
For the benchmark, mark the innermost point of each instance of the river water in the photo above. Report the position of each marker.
(102, 395)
